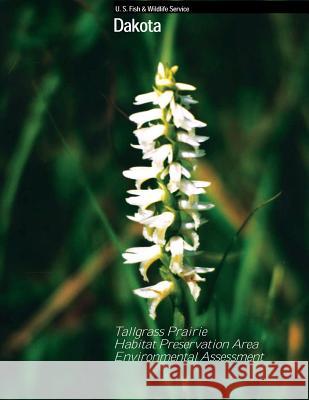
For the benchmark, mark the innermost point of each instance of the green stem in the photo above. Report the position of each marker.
(179, 318)
(234, 239)
(167, 51)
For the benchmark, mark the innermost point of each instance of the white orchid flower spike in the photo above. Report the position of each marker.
(166, 194)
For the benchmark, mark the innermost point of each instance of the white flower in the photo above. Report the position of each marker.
(159, 155)
(142, 117)
(148, 135)
(192, 208)
(192, 154)
(175, 170)
(148, 233)
(141, 174)
(150, 97)
(166, 135)
(188, 206)
(185, 226)
(160, 223)
(141, 215)
(183, 118)
(145, 147)
(193, 238)
(145, 197)
(192, 140)
(165, 99)
(180, 113)
(191, 277)
(177, 245)
(189, 188)
(155, 294)
(163, 78)
(201, 184)
(195, 215)
(164, 82)
(161, 70)
(145, 255)
(184, 86)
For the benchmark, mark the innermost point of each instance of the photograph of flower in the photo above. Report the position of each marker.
(152, 180)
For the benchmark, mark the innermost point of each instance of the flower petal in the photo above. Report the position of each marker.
(150, 97)
(141, 215)
(188, 100)
(155, 294)
(159, 155)
(201, 184)
(142, 117)
(176, 247)
(192, 154)
(184, 86)
(161, 69)
(147, 135)
(145, 198)
(165, 98)
(175, 171)
(141, 174)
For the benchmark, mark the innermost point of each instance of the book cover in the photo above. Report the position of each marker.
(153, 199)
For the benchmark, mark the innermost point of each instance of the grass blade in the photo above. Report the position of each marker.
(29, 134)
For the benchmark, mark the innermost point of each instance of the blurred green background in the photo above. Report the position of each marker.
(67, 86)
